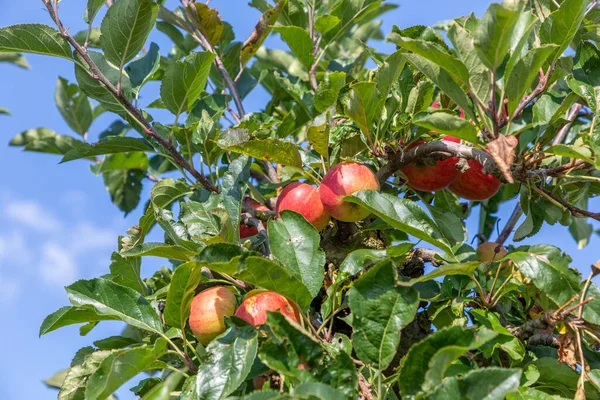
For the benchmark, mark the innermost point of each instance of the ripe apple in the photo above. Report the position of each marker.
(427, 177)
(208, 311)
(254, 309)
(304, 199)
(343, 180)
(490, 251)
(473, 184)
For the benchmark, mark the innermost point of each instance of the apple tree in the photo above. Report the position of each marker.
(317, 249)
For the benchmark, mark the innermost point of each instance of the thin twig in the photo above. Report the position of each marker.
(573, 113)
(575, 211)
(510, 225)
(131, 109)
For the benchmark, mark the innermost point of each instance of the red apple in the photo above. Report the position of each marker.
(254, 309)
(247, 231)
(427, 177)
(208, 311)
(474, 184)
(486, 252)
(304, 199)
(343, 180)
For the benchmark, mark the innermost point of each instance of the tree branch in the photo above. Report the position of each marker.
(131, 109)
(573, 113)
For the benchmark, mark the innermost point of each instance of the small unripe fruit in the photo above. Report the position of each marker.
(474, 184)
(305, 200)
(254, 309)
(343, 180)
(490, 251)
(429, 178)
(208, 312)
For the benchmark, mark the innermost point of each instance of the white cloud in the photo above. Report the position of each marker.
(14, 249)
(58, 264)
(85, 237)
(32, 214)
(9, 289)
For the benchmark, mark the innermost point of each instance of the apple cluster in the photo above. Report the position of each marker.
(210, 307)
(319, 204)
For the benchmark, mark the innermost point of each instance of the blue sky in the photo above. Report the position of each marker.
(57, 223)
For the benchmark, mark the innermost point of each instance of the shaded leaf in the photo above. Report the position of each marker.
(110, 145)
(402, 214)
(446, 123)
(181, 293)
(379, 310)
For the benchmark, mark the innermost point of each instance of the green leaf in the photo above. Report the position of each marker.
(126, 272)
(121, 161)
(163, 389)
(205, 136)
(580, 153)
(15, 58)
(426, 362)
(325, 23)
(143, 69)
(166, 191)
(557, 281)
(272, 150)
(296, 244)
(44, 140)
(163, 250)
(97, 91)
(124, 187)
(289, 347)
(264, 273)
(110, 145)
(125, 29)
(492, 37)
(318, 136)
(299, 42)
(357, 260)
(184, 81)
(111, 299)
(68, 315)
(466, 269)
(435, 54)
(481, 384)
(443, 80)
(448, 124)
(4, 111)
(402, 214)
(328, 90)
(120, 367)
(93, 7)
(34, 38)
(524, 73)
(181, 293)
(261, 31)
(74, 106)
(73, 386)
(363, 105)
(232, 357)
(115, 342)
(233, 187)
(447, 213)
(561, 26)
(526, 393)
(389, 72)
(318, 390)
(379, 310)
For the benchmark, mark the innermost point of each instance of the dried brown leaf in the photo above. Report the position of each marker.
(566, 350)
(502, 150)
(260, 32)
